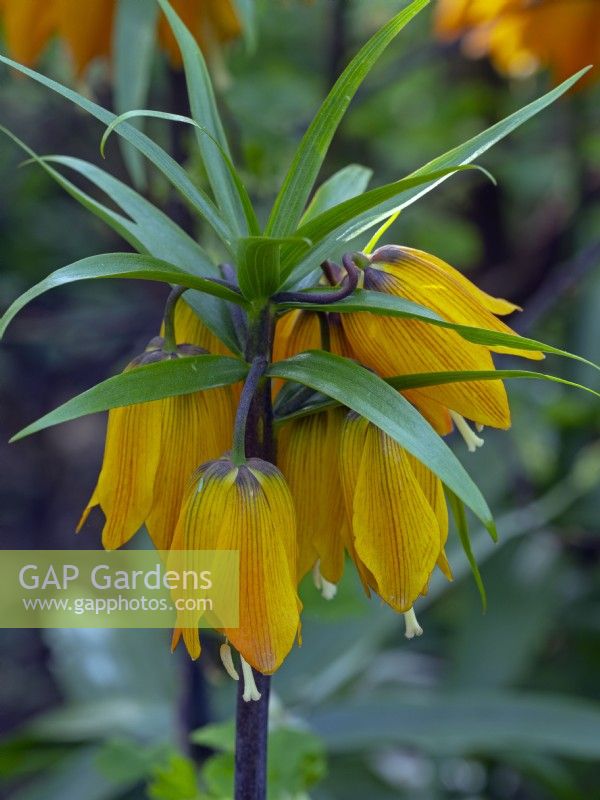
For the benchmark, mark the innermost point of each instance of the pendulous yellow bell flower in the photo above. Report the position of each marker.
(86, 27)
(396, 346)
(152, 450)
(247, 508)
(520, 36)
(308, 456)
(397, 514)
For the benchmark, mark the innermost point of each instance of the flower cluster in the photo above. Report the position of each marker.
(522, 35)
(341, 485)
(87, 27)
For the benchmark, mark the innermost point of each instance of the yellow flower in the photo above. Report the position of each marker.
(151, 451)
(522, 35)
(397, 514)
(247, 508)
(86, 26)
(307, 454)
(396, 346)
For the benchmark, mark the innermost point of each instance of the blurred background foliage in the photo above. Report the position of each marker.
(501, 706)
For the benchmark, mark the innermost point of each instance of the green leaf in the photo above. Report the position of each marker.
(175, 780)
(458, 156)
(313, 148)
(371, 397)
(204, 110)
(391, 305)
(344, 184)
(142, 384)
(244, 198)
(118, 265)
(340, 222)
(258, 265)
(149, 231)
(416, 381)
(462, 528)
(465, 722)
(198, 199)
(421, 379)
(134, 34)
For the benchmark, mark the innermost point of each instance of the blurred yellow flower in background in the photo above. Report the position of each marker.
(521, 36)
(86, 26)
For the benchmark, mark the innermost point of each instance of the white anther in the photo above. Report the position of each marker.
(471, 439)
(412, 624)
(328, 590)
(250, 690)
(227, 659)
(479, 427)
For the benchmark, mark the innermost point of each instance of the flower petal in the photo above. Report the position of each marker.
(86, 27)
(396, 532)
(427, 281)
(126, 483)
(27, 27)
(195, 428)
(308, 454)
(249, 509)
(403, 347)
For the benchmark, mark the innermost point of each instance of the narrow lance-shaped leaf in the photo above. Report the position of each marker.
(458, 156)
(417, 381)
(319, 228)
(134, 34)
(145, 228)
(244, 198)
(347, 182)
(364, 300)
(313, 148)
(462, 528)
(162, 160)
(204, 110)
(371, 397)
(140, 385)
(118, 265)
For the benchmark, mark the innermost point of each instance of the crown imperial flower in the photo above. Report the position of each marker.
(247, 508)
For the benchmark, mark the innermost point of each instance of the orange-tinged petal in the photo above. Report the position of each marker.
(195, 428)
(396, 532)
(126, 483)
(436, 414)
(352, 448)
(426, 280)
(28, 24)
(308, 455)
(392, 346)
(249, 509)
(496, 305)
(86, 27)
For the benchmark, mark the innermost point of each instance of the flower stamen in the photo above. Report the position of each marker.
(471, 439)
(412, 624)
(328, 590)
(227, 659)
(250, 690)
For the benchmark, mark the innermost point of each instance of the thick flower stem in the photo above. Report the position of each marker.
(252, 717)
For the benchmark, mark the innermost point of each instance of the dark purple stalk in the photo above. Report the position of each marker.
(252, 718)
